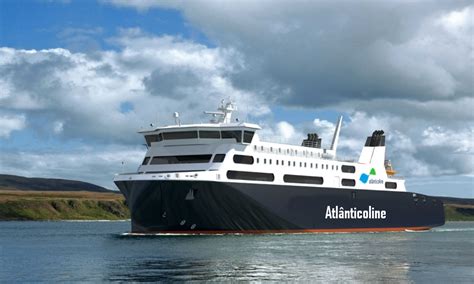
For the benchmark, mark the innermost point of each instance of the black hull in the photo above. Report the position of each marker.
(218, 207)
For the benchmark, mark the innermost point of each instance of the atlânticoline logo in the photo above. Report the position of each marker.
(364, 178)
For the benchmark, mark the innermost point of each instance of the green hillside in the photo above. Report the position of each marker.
(36, 205)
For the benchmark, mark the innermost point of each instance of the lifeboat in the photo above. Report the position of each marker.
(389, 169)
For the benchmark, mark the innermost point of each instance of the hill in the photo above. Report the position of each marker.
(456, 200)
(23, 198)
(62, 205)
(12, 182)
(458, 209)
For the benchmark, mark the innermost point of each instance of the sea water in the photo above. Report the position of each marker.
(103, 251)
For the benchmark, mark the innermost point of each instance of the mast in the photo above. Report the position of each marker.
(335, 138)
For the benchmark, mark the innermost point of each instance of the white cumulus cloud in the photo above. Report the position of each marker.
(9, 123)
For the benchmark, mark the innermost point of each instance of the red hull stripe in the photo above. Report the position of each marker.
(348, 230)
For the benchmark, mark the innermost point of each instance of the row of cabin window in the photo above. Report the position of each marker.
(257, 176)
(351, 182)
(288, 151)
(238, 135)
(302, 164)
(183, 159)
(241, 159)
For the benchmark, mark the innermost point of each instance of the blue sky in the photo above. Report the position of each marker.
(78, 78)
(42, 24)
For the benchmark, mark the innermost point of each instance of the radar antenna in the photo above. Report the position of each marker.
(223, 113)
(176, 118)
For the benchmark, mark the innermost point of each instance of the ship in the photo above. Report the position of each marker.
(220, 178)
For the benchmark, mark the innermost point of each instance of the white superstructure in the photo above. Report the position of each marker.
(230, 151)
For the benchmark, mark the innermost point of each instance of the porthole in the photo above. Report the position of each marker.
(348, 169)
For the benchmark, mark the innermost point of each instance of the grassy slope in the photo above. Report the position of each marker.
(456, 212)
(58, 205)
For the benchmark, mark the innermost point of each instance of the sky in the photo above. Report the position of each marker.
(78, 79)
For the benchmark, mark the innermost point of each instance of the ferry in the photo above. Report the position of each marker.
(220, 178)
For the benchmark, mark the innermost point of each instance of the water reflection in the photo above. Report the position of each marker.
(337, 257)
(151, 270)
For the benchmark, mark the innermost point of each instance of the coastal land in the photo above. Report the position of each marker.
(62, 205)
(39, 199)
(458, 209)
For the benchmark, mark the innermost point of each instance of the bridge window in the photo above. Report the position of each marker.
(303, 179)
(348, 182)
(153, 138)
(391, 185)
(348, 169)
(248, 136)
(145, 161)
(184, 159)
(180, 135)
(234, 134)
(219, 158)
(209, 134)
(241, 159)
(250, 176)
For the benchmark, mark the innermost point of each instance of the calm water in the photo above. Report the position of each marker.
(98, 251)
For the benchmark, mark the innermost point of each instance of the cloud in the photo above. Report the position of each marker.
(86, 93)
(58, 127)
(9, 123)
(81, 39)
(141, 5)
(322, 53)
(460, 142)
